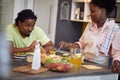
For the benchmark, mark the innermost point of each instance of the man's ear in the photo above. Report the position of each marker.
(19, 22)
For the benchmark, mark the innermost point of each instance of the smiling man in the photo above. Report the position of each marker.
(23, 34)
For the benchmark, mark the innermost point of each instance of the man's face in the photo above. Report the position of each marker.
(26, 27)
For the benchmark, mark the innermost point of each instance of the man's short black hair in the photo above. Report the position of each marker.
(108, 5)
(25, 14)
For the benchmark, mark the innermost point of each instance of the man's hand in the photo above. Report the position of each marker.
(62, 44)
(49, 47)
(32, 46)
(116, 67)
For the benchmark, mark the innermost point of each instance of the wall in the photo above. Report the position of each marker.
(6, 13)
(20, 5)
(65, 29)
(46, 11)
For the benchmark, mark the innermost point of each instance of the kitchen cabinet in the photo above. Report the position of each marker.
(80, 11)
(118, 0)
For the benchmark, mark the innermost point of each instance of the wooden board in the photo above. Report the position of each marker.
(27, 69)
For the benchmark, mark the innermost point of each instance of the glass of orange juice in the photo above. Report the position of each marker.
(75, 58)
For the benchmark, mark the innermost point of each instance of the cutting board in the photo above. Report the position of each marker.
(27, 69)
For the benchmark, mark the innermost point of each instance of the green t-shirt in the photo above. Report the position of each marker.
(20, 42)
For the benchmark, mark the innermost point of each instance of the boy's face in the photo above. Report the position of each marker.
(26, 27)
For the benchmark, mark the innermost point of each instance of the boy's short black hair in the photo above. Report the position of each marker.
(25, 14)
(108, 5)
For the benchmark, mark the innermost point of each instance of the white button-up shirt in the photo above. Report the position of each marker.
(92, 38)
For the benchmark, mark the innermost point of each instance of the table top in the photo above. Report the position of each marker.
(83, 71)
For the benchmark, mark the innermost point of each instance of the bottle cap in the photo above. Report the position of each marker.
(37, 44)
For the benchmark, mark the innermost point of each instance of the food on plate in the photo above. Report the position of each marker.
(52, 52)
(43, 58)
(43, 55)
(29, 57)
(43, 51)
(54, 62)
(66, 56)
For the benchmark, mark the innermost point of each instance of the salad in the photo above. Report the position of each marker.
(58, 63)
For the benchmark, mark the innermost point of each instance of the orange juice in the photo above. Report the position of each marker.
(76, 60)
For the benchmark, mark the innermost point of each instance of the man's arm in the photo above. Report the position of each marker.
(14, 50)
(49, 46)
(63, 44)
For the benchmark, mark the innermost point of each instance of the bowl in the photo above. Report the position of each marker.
(59, 67)
(58, 63)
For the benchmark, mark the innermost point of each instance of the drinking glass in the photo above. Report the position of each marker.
(75, 57)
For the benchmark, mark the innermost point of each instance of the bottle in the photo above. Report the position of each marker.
(36, 63)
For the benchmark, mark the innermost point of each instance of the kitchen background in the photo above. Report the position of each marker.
(54, 17)
(48, 12)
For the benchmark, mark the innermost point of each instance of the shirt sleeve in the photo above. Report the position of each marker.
(42, 36)
(81, 40)
(116, 47)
